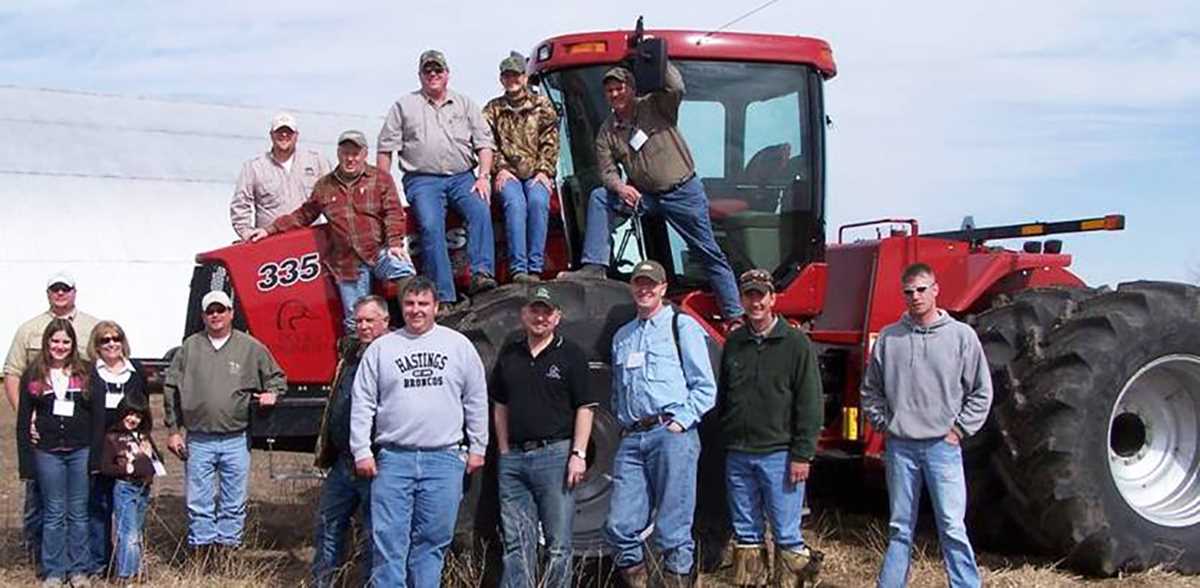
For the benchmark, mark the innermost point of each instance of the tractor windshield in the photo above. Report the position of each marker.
(754, 130)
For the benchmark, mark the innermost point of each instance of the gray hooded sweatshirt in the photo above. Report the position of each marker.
(922, 381)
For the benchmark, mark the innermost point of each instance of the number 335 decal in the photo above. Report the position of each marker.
(281, 274)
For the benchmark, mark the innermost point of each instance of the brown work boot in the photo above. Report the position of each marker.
(589, 271)
(525, 278)
(750, 564)
(480, 283)
(793, 569)
(635, 576)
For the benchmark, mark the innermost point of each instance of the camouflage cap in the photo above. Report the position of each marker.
(618, 73)
(649, 269)
(514, 63)
(432, 56)
(541, 295)
(758, 280)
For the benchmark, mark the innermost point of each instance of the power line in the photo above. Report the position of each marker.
(51, 174)
(735, 21)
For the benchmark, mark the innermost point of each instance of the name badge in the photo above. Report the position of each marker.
(635, 360)
(112, 399)
(64, 408)
(159, 468)
(638, 139)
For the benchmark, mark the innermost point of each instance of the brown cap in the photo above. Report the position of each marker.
(432, 56)
(353, 136)
(758, 280)
(650, 269)
(618, 73)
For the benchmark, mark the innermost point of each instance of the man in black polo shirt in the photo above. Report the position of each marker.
(543, 418)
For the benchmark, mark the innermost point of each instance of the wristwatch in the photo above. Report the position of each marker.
(581, 454)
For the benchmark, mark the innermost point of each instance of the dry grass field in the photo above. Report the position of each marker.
(278, 546)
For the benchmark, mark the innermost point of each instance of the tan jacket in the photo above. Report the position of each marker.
(664, 160)
(266, 190)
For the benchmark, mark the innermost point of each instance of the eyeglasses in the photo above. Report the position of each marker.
(918, 289)
(60, 288)
(109, 339)
(214, 309)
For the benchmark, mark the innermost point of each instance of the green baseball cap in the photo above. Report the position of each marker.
(649, 269)
(541, 295)
(618, 73)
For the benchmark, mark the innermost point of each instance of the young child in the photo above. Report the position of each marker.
(131, 458)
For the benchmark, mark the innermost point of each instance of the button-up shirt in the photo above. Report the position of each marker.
(27, 342)
(435, 138)
(648, 378)
(267, 190)
(364, 216)
(664, 160)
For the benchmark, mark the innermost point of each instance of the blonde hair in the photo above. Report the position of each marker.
(103, 328)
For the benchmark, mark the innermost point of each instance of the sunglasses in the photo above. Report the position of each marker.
(433, 70)
(215, 310)
(109, 339)
(918, 289)
(60, 288)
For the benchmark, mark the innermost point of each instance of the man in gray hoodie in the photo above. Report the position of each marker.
(927, 384)
(414, 391)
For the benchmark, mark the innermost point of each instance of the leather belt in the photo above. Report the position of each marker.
(534, 444)
(646, 423)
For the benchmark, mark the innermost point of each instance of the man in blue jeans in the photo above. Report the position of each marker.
(343, 493)
(543, 417)
(440, 137)
(207, 392)
(662, 385)
(927, 384)
(642, 136)
(417, 392)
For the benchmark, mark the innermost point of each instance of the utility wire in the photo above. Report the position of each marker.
(736, 20)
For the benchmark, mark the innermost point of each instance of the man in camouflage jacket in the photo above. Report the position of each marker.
(525, 127)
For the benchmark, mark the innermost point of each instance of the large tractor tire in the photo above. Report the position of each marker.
(592, 313)
(1013, 328)
(1100, 449)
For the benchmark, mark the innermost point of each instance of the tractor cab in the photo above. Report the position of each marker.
(752, 115)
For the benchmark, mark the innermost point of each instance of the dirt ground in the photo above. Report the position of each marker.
(278, 540)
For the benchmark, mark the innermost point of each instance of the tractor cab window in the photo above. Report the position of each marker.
(748, 128)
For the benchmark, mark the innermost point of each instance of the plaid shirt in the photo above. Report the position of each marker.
(364, 216)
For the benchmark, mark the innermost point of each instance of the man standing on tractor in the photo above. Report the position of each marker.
(418, 392)
(662, 385)
(771, 414)
(525, 126)
(927, 385)
(440, 136)
(276, 182)
(642, 137)
(366, 223)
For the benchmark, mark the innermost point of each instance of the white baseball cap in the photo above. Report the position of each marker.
(216, 297)
(283, 119)
(60, 278)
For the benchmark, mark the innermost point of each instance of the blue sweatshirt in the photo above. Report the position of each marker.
(922, 381)
(417, 391)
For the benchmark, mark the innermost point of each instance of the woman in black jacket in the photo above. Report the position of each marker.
(54, 432)
(113, 378)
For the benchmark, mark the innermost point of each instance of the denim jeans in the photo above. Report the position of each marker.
(686, 209)
(32, 519)
(63, 482)
(533, 489)
(100, 512)
(758, 482)
(938, 465)
(216, 511)
(130, 500)
(342, 494)
(414, 506)
(429, 194)
(526, 215)
(654, 472)
(387, 267)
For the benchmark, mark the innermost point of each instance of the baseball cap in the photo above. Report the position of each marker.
(650, 269)
(216, 297)
(514, 63)
(281, 120)
(758, 280)
(60, 278)
(542, 295)
(618, 73)
(432, 56)
(353, 136)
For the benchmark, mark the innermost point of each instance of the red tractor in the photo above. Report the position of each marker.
(1092, 451)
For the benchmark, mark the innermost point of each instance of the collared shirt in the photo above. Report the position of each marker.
(648, 378)
(435, 138)
(663, 160)
(267, 189)
(364, 217)
(525, 128)
(27, 342)
(542, 393)
(114, 376)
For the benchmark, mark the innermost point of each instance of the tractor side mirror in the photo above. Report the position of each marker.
(648, 61)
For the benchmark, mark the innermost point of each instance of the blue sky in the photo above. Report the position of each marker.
(1005, 111)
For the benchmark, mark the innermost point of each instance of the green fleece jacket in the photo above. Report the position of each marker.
(769, 396)
(209, 389)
